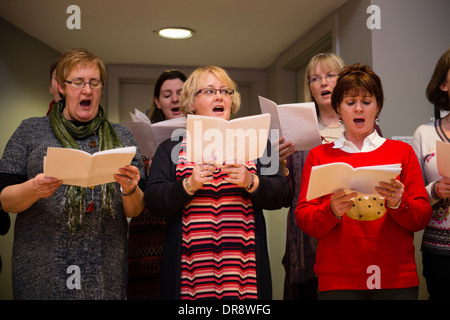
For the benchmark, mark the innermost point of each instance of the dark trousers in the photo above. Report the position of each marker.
(303, 291)
(376, 294)
(436, 270)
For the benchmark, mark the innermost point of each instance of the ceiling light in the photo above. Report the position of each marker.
(175, 33)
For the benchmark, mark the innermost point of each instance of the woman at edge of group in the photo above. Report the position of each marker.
(349, 250)
(61, 229)
(320, 78)
(215, 242)
(436, 236)
(146, 231)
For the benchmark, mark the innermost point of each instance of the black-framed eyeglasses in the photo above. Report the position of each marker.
(211, 91)
(79, 84)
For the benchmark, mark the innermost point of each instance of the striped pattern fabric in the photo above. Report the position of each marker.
(218, 240)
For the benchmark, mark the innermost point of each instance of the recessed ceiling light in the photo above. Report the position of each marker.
(175, 32)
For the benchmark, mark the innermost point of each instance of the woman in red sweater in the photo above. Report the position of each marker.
(365, 248)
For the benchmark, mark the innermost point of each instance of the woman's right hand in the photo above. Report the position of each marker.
(45, 186)
(286, 149)
(442, 188)
(200, 174)
(19, 197)
(341, 202)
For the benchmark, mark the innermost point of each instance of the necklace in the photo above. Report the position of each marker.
(329, 126)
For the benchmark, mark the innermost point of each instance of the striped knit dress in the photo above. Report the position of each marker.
(218, 240)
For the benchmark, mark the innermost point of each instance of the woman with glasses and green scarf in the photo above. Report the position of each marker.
(70, 242)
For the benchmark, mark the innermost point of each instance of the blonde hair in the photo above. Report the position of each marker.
(195, 81)
(76, 57)
(327, 60)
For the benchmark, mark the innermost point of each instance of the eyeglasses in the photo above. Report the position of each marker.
(332, 77)
(79, 84)
(211, 91)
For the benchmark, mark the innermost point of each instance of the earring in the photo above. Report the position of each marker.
(377, 121)
(341, 122)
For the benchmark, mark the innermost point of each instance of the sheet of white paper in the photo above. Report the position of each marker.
(139, 116)
(219, 141)
(149, 136)
(297, 122)
(299, 125)
(77, 167)
(331, 177)
(268, 106)
(163, 130)
(143, 134)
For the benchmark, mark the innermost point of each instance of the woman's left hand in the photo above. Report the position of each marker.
(392, 192)
(128, 178)
(237, 174)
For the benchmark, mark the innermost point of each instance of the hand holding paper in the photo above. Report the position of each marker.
(218, 141)
(77, 167)
(149, 136)
(297, 122)
(331, 177)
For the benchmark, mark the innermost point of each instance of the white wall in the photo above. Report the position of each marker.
(413, 35)
(24, 77)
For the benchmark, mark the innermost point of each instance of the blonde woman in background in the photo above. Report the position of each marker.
(299, 258)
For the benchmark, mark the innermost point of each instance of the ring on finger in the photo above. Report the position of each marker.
(130, 182)
(392, 194)
(203, 175)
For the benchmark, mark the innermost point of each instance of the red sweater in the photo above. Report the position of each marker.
(347, 247)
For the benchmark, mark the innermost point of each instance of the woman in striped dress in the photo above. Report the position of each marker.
(215, 243)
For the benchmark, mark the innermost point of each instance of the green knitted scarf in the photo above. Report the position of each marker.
(67, 132)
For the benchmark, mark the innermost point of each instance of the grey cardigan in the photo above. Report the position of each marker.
(48, 261)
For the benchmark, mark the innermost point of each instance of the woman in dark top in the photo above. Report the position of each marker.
(215, 243)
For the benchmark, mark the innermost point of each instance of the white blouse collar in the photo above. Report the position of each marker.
(371, 142)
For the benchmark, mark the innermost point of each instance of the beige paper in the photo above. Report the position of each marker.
(218, 141)
(297, 122)
(332, 177)
(149, 136)
(443, 158)
(79, 168)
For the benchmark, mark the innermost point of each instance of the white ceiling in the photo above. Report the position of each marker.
(229, 33)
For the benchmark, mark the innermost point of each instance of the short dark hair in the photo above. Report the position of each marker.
(434, 93)
(356, 79)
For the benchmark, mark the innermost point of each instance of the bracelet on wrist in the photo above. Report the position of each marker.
(251, 183)
(433, 191)
(337, 217)
(188, 186)
(129, 193)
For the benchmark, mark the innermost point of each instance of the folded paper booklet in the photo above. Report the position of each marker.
(443, 158)
(79, 168)
(332, 177)
(218, 141)
(149, 136)
(297, 122)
